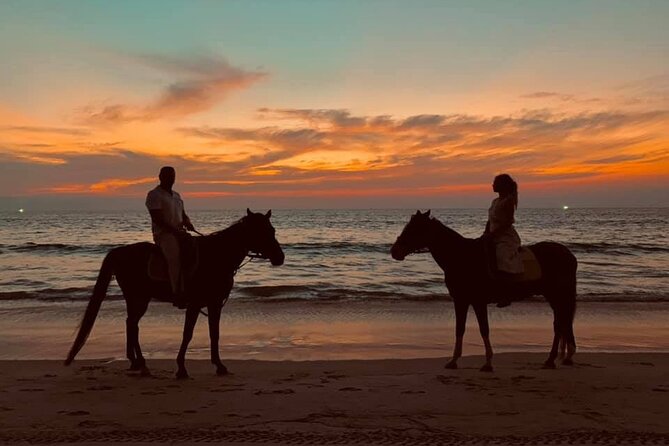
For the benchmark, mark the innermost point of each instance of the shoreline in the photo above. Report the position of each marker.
(617, 398)
(333, 331)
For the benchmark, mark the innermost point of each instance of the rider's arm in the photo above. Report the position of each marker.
(186, 222)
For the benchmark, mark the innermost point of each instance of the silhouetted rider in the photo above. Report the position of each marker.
(168, 222)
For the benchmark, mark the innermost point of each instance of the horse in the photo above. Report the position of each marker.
(469, 282)
(220, 255)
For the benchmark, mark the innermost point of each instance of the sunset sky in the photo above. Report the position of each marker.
(334, 103)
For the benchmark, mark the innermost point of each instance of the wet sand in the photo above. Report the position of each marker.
(330, 331)
(619, 398)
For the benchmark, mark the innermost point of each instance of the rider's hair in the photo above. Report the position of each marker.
(508, 185)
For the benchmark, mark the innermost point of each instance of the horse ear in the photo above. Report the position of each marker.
(269, 214)
(417, 212)
(427, 214)
(248, 212)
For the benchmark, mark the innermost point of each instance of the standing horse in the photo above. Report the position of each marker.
(219, 256)
(468, 281)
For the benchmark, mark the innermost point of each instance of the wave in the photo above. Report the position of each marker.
(58, 248)
(297, 293)
(336, 247)
(616, 248)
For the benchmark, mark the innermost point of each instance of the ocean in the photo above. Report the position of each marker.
(623, 254)
(339, 293)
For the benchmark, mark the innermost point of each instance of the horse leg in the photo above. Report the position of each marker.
(481, 311)
(136, 310)
(571, 345)
(191, 318)
(460, 322)
(562, 351)
(214, 321)
(557, 335)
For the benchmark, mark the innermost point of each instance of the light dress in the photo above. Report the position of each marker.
(507, 242)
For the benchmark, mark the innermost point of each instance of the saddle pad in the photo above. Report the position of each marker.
(532, 269)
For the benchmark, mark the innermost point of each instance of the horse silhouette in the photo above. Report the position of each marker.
(466, 275)
(220, 255)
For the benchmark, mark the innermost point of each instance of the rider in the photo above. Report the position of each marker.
(500, 228)
(169, 223)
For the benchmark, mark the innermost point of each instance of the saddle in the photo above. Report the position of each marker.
(531, 266)
(189, 253)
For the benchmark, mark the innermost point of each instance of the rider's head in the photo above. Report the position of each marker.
(167, 176)
(505, 185)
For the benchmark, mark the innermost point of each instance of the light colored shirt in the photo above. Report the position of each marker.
(169, 204)
(500, 213)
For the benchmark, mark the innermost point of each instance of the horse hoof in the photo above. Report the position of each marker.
(451, 365)
(182, 374)
(221, 370)
(135, 368)
(568, 362)
(486, 368)
(144, 371)
(548, 365)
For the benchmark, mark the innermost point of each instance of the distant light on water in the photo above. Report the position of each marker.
(565, 207)
(21, 211)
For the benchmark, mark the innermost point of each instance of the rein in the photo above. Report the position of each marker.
(251, 258)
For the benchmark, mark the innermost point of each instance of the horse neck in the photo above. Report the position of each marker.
(444, 244)
(231, 242)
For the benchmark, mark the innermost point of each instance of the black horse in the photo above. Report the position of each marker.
(220, 255)
(469, 282)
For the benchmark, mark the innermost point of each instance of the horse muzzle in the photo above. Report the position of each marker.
(278, 260)
(398, 252)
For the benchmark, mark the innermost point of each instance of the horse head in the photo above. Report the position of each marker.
(414, 236)
(261, 236)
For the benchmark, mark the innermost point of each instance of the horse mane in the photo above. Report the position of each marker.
(225, 231)
(451, 232)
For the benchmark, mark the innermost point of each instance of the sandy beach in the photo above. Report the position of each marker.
(606, 398)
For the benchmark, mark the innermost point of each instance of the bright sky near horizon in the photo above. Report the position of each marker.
(334, 103)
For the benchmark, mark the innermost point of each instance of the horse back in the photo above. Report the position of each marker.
(555, 259)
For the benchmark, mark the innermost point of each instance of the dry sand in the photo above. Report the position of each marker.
(603, 399)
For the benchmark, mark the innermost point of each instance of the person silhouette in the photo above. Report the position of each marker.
(169, 223)
(500, 229)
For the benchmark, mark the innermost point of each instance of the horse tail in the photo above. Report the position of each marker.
(99, 293)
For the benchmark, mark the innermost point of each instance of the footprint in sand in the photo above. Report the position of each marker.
(100, 388)
(74, 392)
(31, 390)
(413, 392)
(446, 379)
(6, 409)
(270, 392)
(74, 413)
(350, 389)
(151, 392)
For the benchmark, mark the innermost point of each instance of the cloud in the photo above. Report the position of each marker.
(50, 130)
(323, 152)
(202, 83)
(563, 97)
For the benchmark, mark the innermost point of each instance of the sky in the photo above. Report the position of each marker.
(320, 104)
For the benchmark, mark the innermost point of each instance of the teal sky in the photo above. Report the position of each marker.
(178, 80)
